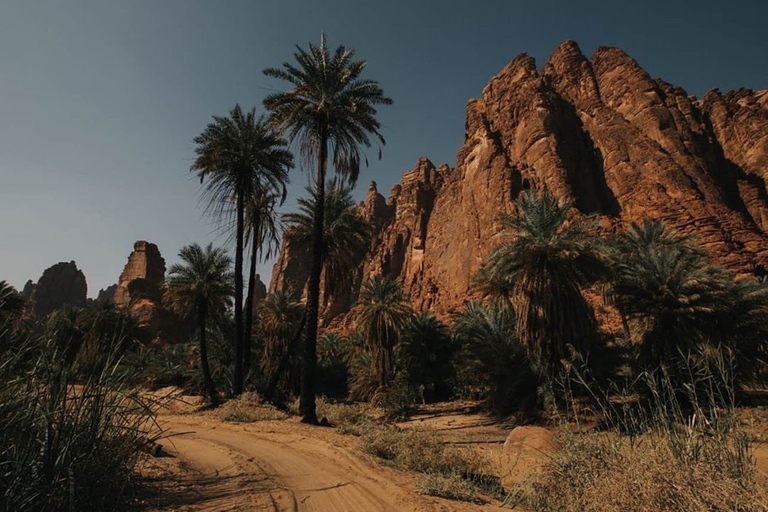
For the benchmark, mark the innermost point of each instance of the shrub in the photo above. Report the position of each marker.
(66, 446)
(249, 408)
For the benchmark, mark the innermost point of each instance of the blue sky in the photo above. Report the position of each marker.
(100, 99)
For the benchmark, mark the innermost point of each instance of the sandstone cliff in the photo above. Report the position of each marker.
(60, 285)
(599, 131)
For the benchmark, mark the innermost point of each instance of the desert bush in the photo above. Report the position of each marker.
(452, 487)
(424, 453)
(67, 446)
(249, 408)
(670, 441)
(347, 418)
(603, 472)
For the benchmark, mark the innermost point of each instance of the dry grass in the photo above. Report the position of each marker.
(249, 408)
(450, 472)
(602, 472)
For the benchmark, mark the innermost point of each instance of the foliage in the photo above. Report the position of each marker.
(383, 318)
(346, 234)
(491, 363)
(12, 304)
(279, 315)
(65, 446)
(425, 355)
(541, 271)
(201, 286)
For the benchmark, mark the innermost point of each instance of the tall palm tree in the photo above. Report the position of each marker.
(329, 109)
(11, 302)
(546, 264)
(201, 286)
(262, 233)
(238, 159)
(346, 234)
(384, 316)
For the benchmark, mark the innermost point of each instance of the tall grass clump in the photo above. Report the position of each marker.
(670, 441)
(67, 443)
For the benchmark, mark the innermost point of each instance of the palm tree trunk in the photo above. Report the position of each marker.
(238, 380)
(210, 387)
(309, 359)
(249, 302)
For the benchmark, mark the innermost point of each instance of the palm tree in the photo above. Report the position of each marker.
(492, 361)
(674, 297)
(384, 316)
(279, 316)
(330, 108)
(241, 159)
(262, 233)
(201, 286)
(544, 267)
(426, 353)
(12, 304)
(346, 235)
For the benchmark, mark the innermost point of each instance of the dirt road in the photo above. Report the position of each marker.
(280, 466)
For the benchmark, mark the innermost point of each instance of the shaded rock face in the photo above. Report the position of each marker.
(599, 131)
(29, 289)
(107, 294)
(259, 293)
(60, 285)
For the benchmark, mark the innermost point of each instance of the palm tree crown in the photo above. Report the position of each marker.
(329, 103)
(11, 302)
(549, 259)
(384, 316)
(346, 234)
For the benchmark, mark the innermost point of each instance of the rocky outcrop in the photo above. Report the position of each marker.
(259, 292)
(107, 294)
(139, 290)
(601, 132)
(28, 290)
(60, 285)
(142, 276)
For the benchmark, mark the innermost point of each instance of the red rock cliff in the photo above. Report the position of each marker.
(600, 131)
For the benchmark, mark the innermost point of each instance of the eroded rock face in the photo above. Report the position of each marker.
(259, 292)
(140, 291)
(142, 276)
(107, 294)
(599, 131)
(60, 285)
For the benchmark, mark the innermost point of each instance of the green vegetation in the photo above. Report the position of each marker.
(201, 287)
(69, 439)
(329, 112)
(240, 163)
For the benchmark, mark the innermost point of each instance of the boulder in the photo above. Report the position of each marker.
(526, 451)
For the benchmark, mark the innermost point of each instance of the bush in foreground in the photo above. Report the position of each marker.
(65, 445)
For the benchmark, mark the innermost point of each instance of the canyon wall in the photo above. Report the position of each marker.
(601, 132)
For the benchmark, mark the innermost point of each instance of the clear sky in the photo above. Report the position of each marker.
(100, 99)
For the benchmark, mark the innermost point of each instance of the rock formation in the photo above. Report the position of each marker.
(107, 294)
(259, 292)
(139, 289)
(60, 285)
(29, 289)
(142, 276)
(599, 131)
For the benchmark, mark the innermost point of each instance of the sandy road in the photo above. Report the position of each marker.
(280, 466)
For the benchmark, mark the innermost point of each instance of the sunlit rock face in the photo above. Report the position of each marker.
(599, 131)
(60, 285)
